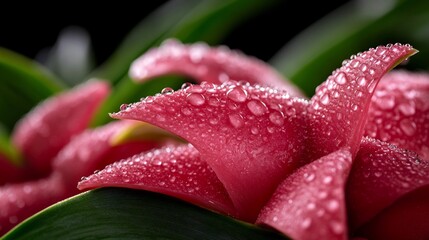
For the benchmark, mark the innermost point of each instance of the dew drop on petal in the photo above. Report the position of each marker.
(237, 94)
(341, 78)
(407, 109)
(362, 81)
(123, 107)
(325, 99)
(306, 223)
(257, 107)
(186, 111)
(236, 120)
(333, 205)
(408, 127)
(337, 227)
(167, 90)
(277, 118)
(195, 99)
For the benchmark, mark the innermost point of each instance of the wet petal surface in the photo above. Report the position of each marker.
(381, 174)
(244, 133)
(175, 170)
(93, 150)
(209, 64)
(399, 111)
(42, 133)
(340, 106)
(310, 204)
(21, 200)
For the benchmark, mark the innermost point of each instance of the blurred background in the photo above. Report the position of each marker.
(29, 30)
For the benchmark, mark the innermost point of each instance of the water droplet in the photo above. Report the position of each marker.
(309, 177)
(236, 120)
(186, 111)
(407, 109)
(378, 174)
(123, 107)
(167, 90)
(254, 130)
(337, 227)
(363, 67)
(333, 205)
(195, 99)
(327, 179)
(277, 118)
(257, 107)
(408, 127)
(325, 99)
(237, 94)
(197, 51)
(214, 101)
(362, 81)
(306, 223)
(195, 89)
(186, 85)
(213, 121)
(341, 78)
(311, 206)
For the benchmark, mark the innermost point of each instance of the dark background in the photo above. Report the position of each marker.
(29, 29)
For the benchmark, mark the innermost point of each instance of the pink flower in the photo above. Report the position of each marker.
(59, 148)
(351, 161)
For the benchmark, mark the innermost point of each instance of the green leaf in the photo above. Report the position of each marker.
(119, 213)
(24, 83)
(207, 21)
(310, 57)
(8, 150)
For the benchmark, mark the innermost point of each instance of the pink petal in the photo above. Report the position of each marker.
(9, 172)
(93, 149)
(339, 108)
(244, 132)
(406, 219)
(381, 174)
(207, 64)
(175, 171)
(21, 200)
(399, 112)
(310, 204)
(46, 129)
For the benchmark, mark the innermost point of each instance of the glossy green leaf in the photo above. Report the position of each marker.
(352, 28)
(24, 83)
(118, 213)
(207, 21)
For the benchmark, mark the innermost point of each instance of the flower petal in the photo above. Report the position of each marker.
(399, 112)
(175, 171)
(46, 129)
(94, 149)
(21, 200)
(207, 64)
(381, 174)
(10, 172)
(244, 133)
(407, 218)
(310, 203)
(339, 107)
